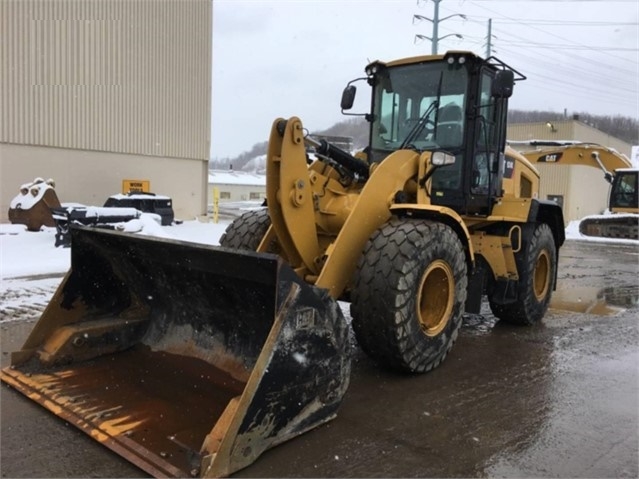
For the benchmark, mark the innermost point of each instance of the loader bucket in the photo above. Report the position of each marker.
(188, 360)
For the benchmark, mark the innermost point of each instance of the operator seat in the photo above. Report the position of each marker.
(449, 126)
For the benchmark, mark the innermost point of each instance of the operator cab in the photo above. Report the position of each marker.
(456, 103)
(624, 196)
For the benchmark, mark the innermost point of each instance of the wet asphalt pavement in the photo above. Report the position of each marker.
(559, 399)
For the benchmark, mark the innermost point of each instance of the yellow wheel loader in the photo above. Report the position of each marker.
(623, 198)
(193, 360)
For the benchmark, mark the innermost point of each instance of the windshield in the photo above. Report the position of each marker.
(624, 191)
(421, 103)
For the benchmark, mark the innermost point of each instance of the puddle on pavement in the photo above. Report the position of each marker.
(596, 300)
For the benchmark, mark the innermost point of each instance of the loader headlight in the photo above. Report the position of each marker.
(440, 158)
(452, 58)
(375, 68)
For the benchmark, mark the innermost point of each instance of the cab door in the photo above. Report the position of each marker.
(486, 156)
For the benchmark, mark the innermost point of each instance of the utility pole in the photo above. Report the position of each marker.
(435, 27)
(490, 36)
(435, 21)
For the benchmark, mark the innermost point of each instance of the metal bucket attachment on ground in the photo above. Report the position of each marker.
(187, 360)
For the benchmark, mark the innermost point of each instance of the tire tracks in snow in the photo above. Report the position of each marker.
(22, 299)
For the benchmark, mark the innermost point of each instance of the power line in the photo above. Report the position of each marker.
(561, 68)
(568, 86)
(547, 32)
(436, 21)
(574, 56)
(598, 71)
(559, 1)
(503, 39)
(569, 23)
(594, 76)
(574, 47)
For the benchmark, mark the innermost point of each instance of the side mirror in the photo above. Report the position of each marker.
(503, 84)
(348, 97)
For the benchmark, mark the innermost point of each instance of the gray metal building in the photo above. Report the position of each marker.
(93, 93)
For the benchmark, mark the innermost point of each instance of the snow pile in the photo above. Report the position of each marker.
(31, 193)
(139, 196)
(101, 211)
(148, 224)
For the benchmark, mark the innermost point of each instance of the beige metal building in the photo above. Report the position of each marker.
(95, 93)
(566, 130)
(580, 190)
(234, 186)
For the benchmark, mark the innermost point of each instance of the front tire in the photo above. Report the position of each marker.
(409, 293)
(537, 271)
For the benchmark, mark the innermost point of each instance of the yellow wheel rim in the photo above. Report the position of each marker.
(436, 298)
(541, 275)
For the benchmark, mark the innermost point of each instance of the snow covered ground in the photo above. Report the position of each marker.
(31, 266)
(25, 253)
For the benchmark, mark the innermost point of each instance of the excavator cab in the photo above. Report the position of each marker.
(623, 194)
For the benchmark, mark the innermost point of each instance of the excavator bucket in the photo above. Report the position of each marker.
(188, 360)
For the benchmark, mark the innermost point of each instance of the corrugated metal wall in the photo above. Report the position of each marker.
(583, 188)
(597, 136)
(108, 75)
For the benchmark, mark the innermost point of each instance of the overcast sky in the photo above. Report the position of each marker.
(285, 58)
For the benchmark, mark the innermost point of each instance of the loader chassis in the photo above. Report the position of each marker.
(240, 347)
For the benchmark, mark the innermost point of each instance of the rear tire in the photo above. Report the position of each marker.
(246, 231)
(537, 267)
(409, 293)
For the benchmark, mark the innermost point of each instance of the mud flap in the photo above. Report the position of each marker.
(186, 359)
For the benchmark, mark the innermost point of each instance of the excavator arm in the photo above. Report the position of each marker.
(586, 154)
